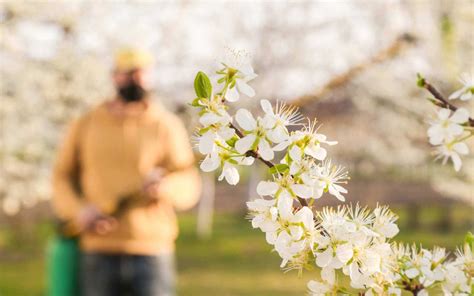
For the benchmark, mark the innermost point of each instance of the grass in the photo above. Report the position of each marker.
(234, 261)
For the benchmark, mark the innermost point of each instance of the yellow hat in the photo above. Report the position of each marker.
(128, 59)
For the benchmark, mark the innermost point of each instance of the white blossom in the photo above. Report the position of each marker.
(452, 151)
(349, 240)
(421, 266)
(289, 232)
(213, 112)
(447, 127)
(276, 121)
(325, 286)
(215, 121)
(332, 176)
(459, 274)
(238, 72)
(384, 222)
(466, 92)
(255, 135)
(284, 188)
(223, 157)
(264, 214)
(456, 282)
(306, 142)
(209, 141)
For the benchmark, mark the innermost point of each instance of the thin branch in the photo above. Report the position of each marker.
(392, 51)
(412, 287)
(441, 101)
(269, 164)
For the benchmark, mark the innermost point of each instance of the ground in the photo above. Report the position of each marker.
(234, 261)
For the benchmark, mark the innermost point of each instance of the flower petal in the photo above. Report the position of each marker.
(285, 206)
(232, 95)
(271, 237)
(226, 133)
(295, 153)
(245, 88)
(333, 191)
(443, 113)
(344, 252)
(281, 146)
(266, 106)
(245, 120)
(247, 70)
(246, 160)
(316, 151)
(329, 275)
(456, 94)
(206, 142)
(267, 188)
(412, 273)
(244, 144)
(306, 216)
(209, 118)
(302, 190)
(389, 230)
(460, 116)
(265, 150)
(461, 148)
(457, 162)
(278, 134)
(210, 163)
(323, 259)
(466, 96)
(317, 288)
(231, 173)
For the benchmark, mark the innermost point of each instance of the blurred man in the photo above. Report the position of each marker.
(134, 166)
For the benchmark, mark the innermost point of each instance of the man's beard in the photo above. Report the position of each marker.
(132, 92)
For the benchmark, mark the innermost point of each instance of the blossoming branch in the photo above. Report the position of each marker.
(345, 242)
(452, 125)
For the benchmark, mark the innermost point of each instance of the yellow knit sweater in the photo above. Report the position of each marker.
(111, 155)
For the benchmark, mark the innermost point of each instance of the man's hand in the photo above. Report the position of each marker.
(152, 183)
(90, 219)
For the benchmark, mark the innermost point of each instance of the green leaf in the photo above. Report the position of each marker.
(435, 102)
(202, 85)
(469, 239)
(420, 80)
(202, 131)
(232, 161)
(278, 169)
(196, 103)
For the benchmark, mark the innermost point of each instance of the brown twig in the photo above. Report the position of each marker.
(266, 162)
(412, 287)
(441, 100)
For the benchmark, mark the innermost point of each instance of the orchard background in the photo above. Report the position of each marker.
(351, 64)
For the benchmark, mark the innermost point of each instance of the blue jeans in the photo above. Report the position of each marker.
(127, 275)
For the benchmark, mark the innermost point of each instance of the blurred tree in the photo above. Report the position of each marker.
(55, 63)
